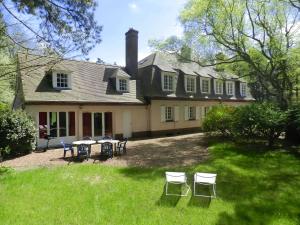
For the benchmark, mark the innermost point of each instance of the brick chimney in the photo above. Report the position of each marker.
(132, 53)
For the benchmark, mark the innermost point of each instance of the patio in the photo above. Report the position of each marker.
(184, 150)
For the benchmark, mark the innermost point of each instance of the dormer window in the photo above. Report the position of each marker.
(230, 87)
(243, 89)
(190, 83)
(205, 85)
(168, 80)
(219, 87)
(122, 84)
(61, 80)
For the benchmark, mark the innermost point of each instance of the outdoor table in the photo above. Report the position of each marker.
(85, 142)
(114, 142)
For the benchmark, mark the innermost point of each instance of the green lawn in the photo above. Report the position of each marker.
(253, 187)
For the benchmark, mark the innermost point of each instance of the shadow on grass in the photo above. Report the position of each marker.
(170, 200)
(200, 201)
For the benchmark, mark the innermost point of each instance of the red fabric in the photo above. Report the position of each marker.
(87, 124)
(71, 123)
(42, 124)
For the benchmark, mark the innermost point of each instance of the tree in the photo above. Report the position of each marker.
(259, 37)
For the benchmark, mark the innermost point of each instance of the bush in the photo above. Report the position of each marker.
(219, 119)
(17, 132)
(293, 125)
(259, 120)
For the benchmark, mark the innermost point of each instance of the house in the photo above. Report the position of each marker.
(159, 95)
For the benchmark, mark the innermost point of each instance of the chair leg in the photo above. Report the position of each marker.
(166, 188)
(64, 154)
(214, 190)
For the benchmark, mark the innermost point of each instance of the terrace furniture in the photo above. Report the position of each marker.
(107, 138)
(67, 147)
(114, 142)
(205, 179)
(177, 178)
(107, 149)
(121, 147)
(83, 151)
(85, 142)
(87, 138)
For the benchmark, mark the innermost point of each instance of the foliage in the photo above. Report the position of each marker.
(17, 132)
(263, 120)
(293, 128)
(247, 181)
(219, 119)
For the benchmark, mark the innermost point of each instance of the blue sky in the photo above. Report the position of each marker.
(154, 19)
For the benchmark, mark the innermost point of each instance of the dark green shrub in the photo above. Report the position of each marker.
(219, 119)
(259, 120)
(17, 132)
(293, 125)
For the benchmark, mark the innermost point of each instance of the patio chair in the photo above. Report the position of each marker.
(205, 179)
(121, 147)
(67, 147)
(87, 138)
(83, 151)
(176, 178)
(107, 149)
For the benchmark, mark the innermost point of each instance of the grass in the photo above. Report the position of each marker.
(254, 186)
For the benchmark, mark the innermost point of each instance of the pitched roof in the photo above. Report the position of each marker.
(169, 62)
(91, 82)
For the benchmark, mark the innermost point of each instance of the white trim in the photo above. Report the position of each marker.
(233, 87)
(186, 77)
(67, 123)
(186, 112)
(118, 84)
(93, 127)
(162, 114)
(209, 85)
(163, 74)
(176, 113)
(215, 86)
(241, 84)
(198, 112)
(54, 79)
(103, 125)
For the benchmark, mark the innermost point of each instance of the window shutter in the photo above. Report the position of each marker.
(185, 83)
(69, 81)
(54, 80)
(176, 113)
(186, 113)
(117, 84)
(202, 112)
(197, 113)
(162, 81)
(162, 113)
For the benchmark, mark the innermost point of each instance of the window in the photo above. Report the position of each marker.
(206, 110)
(62, 80)
(218, 87)
(190, 84)
(169, 114)
(168, 82)
(98, 124)
(123, 85)
(192, 113)
(205, 85)
(230, 88)
(53, 124)
(243, 88)
(71, 123)
(62, 124)
(42, 124)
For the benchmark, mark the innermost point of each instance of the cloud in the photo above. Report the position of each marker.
(133, 7)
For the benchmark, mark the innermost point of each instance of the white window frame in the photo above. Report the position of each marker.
(192, 113)
(216, 83)
(228, 92)
(55, 74)
(119, 84)
(186, 83)
(243, 85)
(170, 75)
(201, 84)
(169, 114)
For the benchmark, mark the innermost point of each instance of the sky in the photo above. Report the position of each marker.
(154, 19)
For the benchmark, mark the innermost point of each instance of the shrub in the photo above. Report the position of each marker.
(293, 124)
(17, 132)
(263, 120)
(219, 119)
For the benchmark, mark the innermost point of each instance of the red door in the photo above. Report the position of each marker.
(108, 123)
(87, 124)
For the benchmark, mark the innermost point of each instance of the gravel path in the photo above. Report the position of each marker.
(173, 151)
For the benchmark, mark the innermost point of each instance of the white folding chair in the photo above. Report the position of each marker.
(205, 179)
(176, 178)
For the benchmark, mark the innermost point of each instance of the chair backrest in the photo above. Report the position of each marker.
(107, 146)
(87, 138)
(83, 148)
(107, 138)
(63, 143)
(122, 144)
